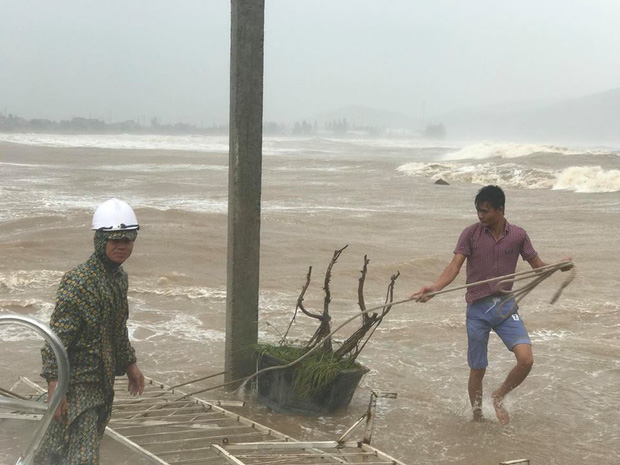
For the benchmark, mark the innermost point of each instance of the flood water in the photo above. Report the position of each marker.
(320, 194)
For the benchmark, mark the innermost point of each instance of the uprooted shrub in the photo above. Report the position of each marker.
(328, 358)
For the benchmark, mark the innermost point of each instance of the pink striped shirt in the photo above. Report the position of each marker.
(489, 258)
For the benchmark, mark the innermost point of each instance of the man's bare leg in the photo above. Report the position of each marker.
(525, 360)
(474, 386)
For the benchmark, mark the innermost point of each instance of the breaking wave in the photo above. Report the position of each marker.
(581, 179)
(588, 179)
(486, 150)
(484, 173)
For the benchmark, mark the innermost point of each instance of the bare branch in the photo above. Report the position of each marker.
(388, 299)
(328, 277)
(358, 340)
(300, 299)
(299, 306)
(360, 289)
(354, 345)
(324, 328)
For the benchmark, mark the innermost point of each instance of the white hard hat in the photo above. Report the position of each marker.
(114, 215)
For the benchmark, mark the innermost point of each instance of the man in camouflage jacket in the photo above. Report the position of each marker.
(90, 318)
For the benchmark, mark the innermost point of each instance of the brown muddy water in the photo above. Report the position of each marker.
(377, 196)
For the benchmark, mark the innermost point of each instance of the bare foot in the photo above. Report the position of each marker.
(478, 417)
(500, 411)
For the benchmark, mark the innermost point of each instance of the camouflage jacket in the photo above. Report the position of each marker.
(90, 318)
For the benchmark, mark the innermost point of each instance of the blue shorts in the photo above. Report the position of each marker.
(485, 315)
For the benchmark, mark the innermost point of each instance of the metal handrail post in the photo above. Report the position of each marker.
(63, 378)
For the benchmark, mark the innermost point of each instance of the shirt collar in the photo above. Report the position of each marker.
(506, 227)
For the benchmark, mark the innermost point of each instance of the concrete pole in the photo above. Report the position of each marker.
(244, 185)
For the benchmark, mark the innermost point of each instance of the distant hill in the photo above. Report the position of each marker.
(593, 118)
(361, 116)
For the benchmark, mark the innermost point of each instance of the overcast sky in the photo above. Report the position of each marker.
(124, 59)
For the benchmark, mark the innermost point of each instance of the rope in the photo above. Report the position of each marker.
(540, 274)
(10, 393)
(196, 380)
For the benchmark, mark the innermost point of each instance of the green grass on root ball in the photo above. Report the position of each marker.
(315, 371)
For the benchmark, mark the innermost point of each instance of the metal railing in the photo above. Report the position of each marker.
(61, 388)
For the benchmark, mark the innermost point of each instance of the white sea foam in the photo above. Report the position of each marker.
(194, 143)
(548, 335)
(317, 169)
(582, 179)
(195, 205)
(28, 165)
(213, 144)
(179, 326)
(38, 309)
(400, 143)
(190, 292)
(16, 333)
(164, 168)
(486, 150)
(314, 209)
(485, 173)
(588, 179)
(47, 203)
(36, 279)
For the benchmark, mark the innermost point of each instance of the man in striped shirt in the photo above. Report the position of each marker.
(491, 247)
